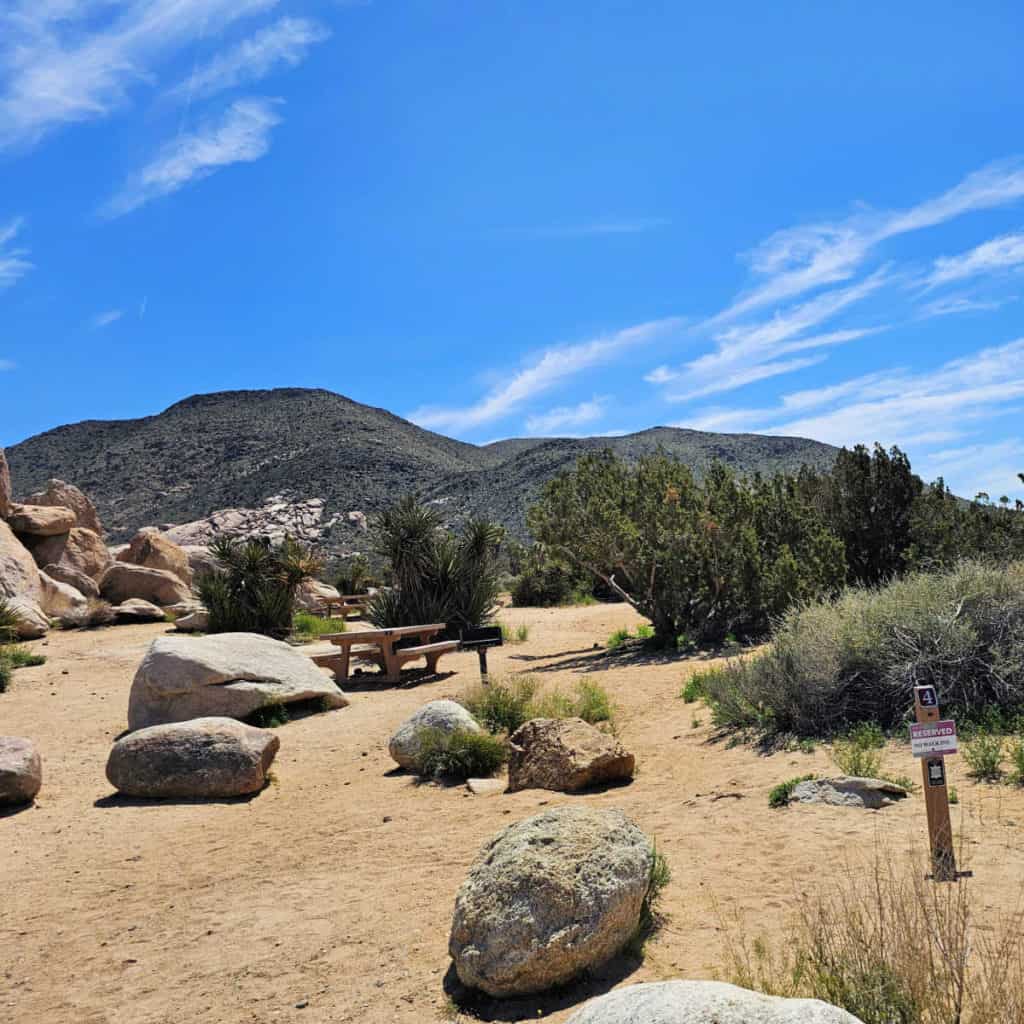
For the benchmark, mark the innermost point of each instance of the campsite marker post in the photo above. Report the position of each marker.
(931, 739)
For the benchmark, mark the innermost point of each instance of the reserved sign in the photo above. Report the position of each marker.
(931, 739)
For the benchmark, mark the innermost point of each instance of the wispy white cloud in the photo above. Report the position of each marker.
(566, 416)
(554, 366)
(990, 467)
(610, 226)
(796, 260)
(894, 407)
(956, 304)
(64, 61)
(242, 135)
(13, 262)
(750, 352)
(286, 42)
(998, 254)
(107, 318)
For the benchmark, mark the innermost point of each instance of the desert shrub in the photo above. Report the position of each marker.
(650, 915)
(891, 947)
(438, 577)
(21, 657)
(858, 752)
(459, 754)
(253, 590)
(618, 639)
(270, 716)
(306, 626)
(12, 655)
(354, 576)
(8, 622)
(778, 796)
(518, 635)
(693, 689)
(983, 754)
(95, 613)
(857, 658)
(703, 557)
(501, 707)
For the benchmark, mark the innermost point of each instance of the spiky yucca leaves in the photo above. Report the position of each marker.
(8, 623)
(254, 589)
(438, 577)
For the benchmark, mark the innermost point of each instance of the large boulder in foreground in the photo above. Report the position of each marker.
(231, 674)
(59, 494)
(205, 757)
(565, 755)
(124, 581)
(848, 791)
(78, 549)
(40, 520)
(548, 898)
(21, 770)
(444, 715)
(73, 578)
(150, 548)
(703, 1002)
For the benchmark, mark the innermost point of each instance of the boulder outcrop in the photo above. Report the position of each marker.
(73, 578)
(5, 486)
(78, 549)
(204, 757)
(40, 520)
(60, 599)
(59, 494)
(229, 674)
(548, 898)
(565, 755)
(151, 549)
(137, 610)
(123, 581)
(311, 593)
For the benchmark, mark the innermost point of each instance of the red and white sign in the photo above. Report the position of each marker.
(933, 739)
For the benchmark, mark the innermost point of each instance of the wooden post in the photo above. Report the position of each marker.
(936, 794)
(481, 653)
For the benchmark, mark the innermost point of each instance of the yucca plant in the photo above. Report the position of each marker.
(253, 591)
(438, 577)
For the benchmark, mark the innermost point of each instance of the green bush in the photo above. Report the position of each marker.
(778, 796)
(856, 659)
(693, 689)
(501, 707)
(518, 635)
(858, 753)
(270, 716)
(650, 916)
(22, 657)
(9, 621)
(253, 590)
(618, 639)
(6, 671)
(460, 754)
(438, 577)
(983, 754)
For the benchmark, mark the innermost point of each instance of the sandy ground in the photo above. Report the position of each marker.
(328, 897)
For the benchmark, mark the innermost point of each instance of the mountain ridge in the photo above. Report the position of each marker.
(236, 449)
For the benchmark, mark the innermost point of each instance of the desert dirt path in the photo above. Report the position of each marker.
(328, 897)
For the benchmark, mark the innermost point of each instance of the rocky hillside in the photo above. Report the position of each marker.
(240, 449)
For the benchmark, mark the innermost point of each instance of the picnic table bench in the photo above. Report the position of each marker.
(379, 646)
(346, 604)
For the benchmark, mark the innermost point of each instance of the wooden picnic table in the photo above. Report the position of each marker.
(379, 645)
(347, 603)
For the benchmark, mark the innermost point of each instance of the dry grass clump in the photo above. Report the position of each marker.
(502, 705)
(892, 947)
(96, 612)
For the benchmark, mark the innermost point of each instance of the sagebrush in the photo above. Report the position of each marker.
(501, 706)
(460, 754)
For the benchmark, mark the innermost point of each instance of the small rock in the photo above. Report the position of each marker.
(848, 791)
(21, 770)
(485, 787)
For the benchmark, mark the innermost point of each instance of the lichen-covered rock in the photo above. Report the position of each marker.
(565, 755)
(21, 770)
(150, 548)
(703, 1002)
(40, 520)
(549, 897)
(73, 578)
(123, 581)
(445, 715)
(848, 791)
(64, 495)
(204, 757)
(229, 674)
(79, 549)
(137, 610)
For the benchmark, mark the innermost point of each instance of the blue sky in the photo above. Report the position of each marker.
(510, 218)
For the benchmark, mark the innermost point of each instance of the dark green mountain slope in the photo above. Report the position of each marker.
(235, 449)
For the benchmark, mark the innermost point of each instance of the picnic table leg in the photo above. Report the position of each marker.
(343, 666)
(392, 666)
